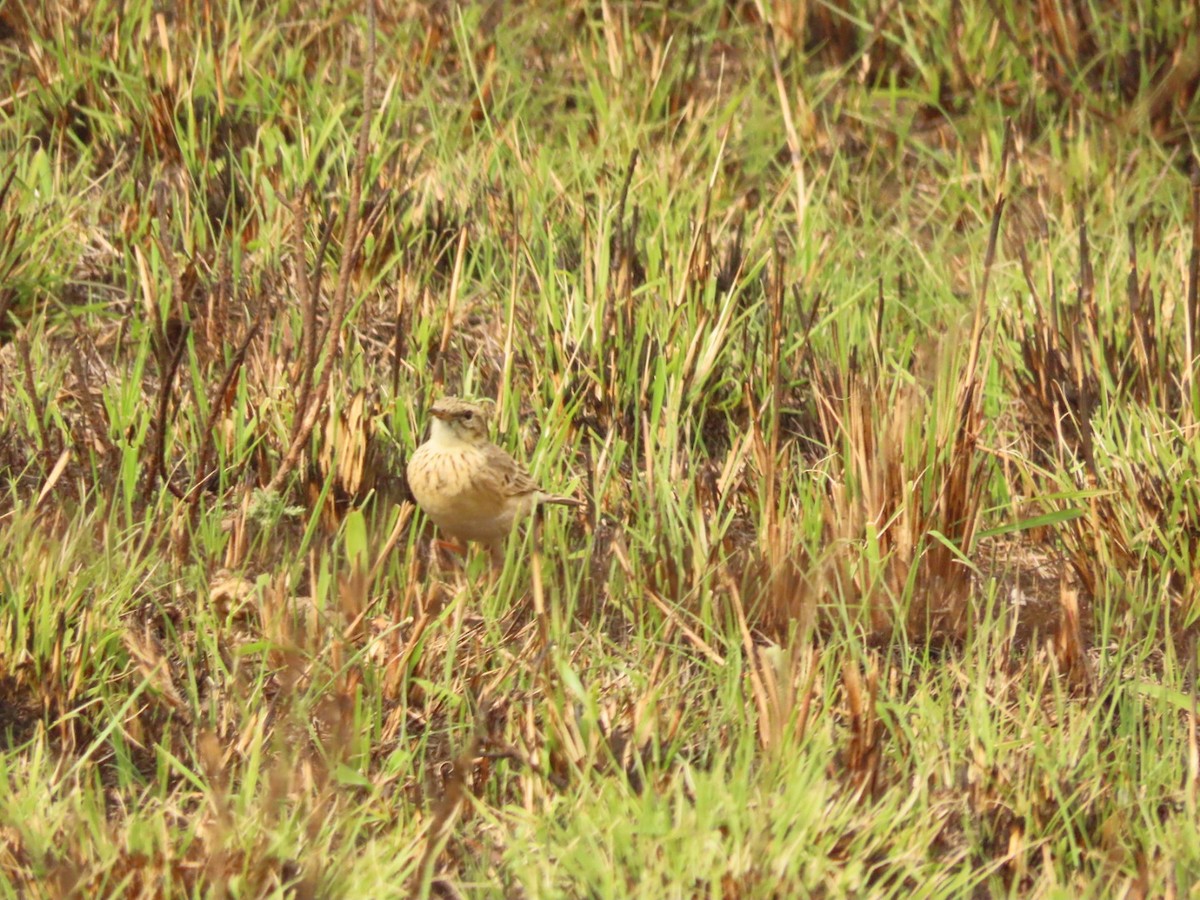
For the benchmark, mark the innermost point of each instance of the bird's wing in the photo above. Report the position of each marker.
(512, 478)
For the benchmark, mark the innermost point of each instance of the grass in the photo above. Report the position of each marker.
(868, 331)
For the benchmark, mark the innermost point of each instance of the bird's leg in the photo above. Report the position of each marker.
(496, 555)
(442, 548)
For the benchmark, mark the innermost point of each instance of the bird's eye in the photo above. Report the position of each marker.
(468, 416)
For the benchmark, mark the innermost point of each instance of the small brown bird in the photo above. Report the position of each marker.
(468, 486)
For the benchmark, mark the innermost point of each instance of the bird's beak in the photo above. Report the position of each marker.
(439, 415)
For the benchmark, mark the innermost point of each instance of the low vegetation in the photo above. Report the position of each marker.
(868, 332)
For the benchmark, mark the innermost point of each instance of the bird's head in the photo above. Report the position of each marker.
(463, 420)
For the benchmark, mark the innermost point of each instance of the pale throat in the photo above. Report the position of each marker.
(445, 436)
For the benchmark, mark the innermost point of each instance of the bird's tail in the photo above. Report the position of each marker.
(557, 500)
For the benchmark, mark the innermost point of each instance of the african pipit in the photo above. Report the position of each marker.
(468, 486)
